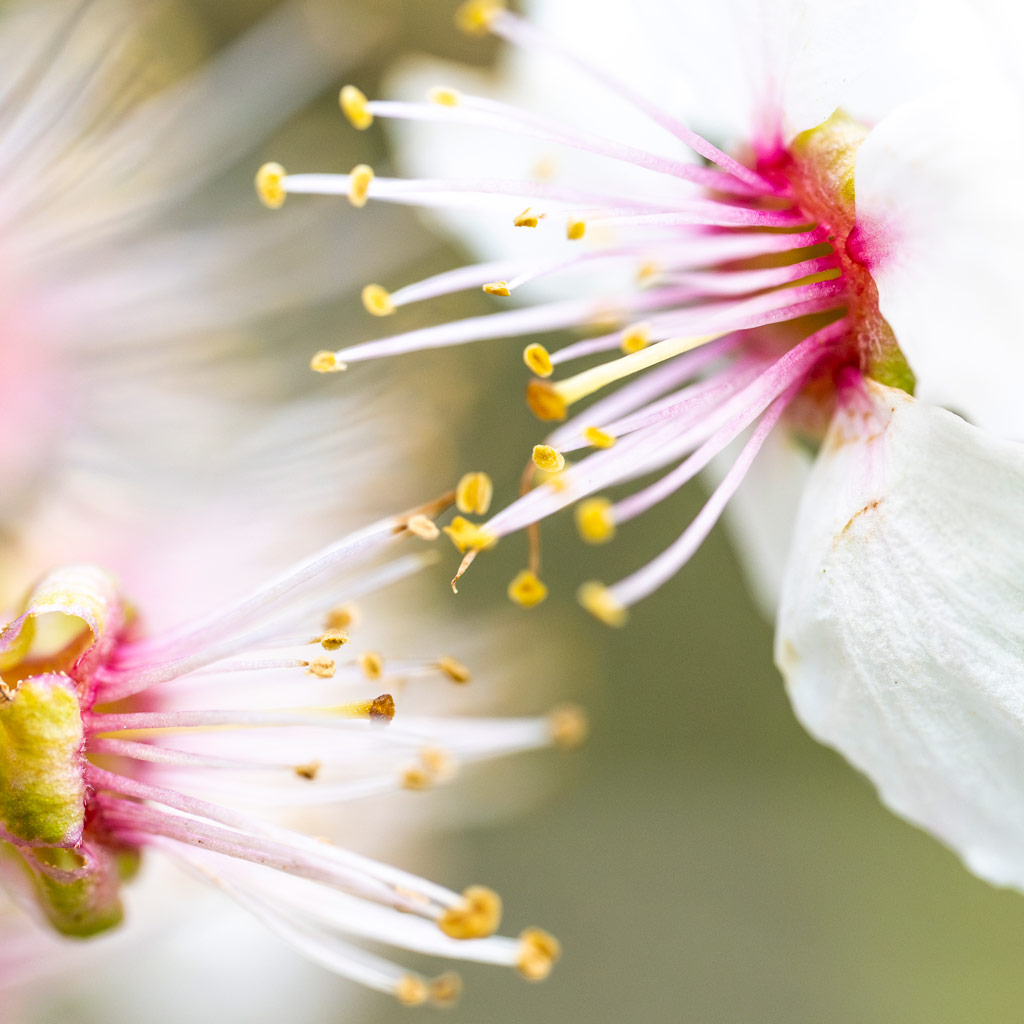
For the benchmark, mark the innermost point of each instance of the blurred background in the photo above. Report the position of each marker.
(701, 859)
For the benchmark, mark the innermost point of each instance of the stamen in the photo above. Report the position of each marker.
(372, 665)
(423, 527)
(539, 951)
(636, 337)
(444, 97)
(332, 639)
(360, 178)
(497, 288)
(326, 362)
(575, 229)
(474, 493)
(476, 917)
(595, 521)
(527, 590)
(527, 219)
(454, 669)
(354, 106)
(475, 17)
(269, 185)
(548, 459)
(599, 438)
(538, 360)
(568, 727)
(469, 536)
(377, 301)
(597, 599)
(322, 668)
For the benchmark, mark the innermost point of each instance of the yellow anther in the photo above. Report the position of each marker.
(355, 107)
(475, 16)
(468, 536)
(594, 520)
(326, 362)
(544, 169)
(412, 990)
(575, 229)
(377, 300)
(359, 179)
(527, 590)
(568, 727)
(547, 458)
(636, 337)
(342, 616)
(598, 438)
(415, 777)
(372, 664)
(423, 527)
(474, 493)
(439, 763)
(332, 639)
(538, 360)
(270, 187)
(454, 669)
(526, 219)
(476, 917)
(445, 989)
(646, 271)
(539, 951)
(545, 402)
(322, 668)
(597, 599)
(497, 288)
(445, 97)
(308, 771)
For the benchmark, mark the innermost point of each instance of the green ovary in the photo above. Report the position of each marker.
(42, 791)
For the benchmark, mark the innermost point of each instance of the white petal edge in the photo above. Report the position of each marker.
(901, 627)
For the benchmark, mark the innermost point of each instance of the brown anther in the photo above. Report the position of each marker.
(476, 917)
(412, 990)
(382, 708)
(322, 668)
(332, 639)
(544, 401)
(372, 664)
(308, 771)
(454, 670)
(445, 990)
(539, 951)
(568, 727)
(423, 527)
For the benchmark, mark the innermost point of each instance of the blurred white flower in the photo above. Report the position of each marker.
(850, 242)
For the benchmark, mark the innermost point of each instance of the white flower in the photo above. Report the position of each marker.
(851, 241)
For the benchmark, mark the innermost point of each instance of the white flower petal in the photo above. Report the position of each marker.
(941, 235)
(901, 630)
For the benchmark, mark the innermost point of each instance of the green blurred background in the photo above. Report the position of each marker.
(702, 860)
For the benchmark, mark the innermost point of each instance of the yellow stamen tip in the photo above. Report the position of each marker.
(636, 337)
(454, 669)
(475, 16)
(527, 590)
(597, 599)
(476, 917)
(469, 536)
(412, 990)
(575, 229)
(538, 360)
(341, 617)
(333, 639)
(497, 288)
(326, 362)
(322, 668)
(568, 727)
(527, 219)
(539, 951)
(445, 97)
(423, 527)
(547, 458)
(545, 402)
(594, 520)
(445, 990)
(270, 187)
(474, 493)
(377, 300)
(599, 438)
(355, 107)
(308, 771)
(372, 664)
(359, 179)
